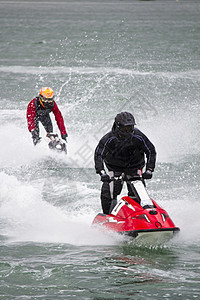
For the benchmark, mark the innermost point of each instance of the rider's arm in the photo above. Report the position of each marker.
(150, 153)
(148, 149)
(98, 156)
(59, 119)
(31, 115)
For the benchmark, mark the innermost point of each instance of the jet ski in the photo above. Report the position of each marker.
(139, 217)
(56, 143)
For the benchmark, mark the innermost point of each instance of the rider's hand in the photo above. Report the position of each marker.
(64, 136)
(147, 174)
(35, 137)
(104, 177)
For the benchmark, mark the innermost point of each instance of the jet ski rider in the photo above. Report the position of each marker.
(39, 109)
(123, 150)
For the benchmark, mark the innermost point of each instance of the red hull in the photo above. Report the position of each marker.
(130, 218)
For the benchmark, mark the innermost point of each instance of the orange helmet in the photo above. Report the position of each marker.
(46, 95)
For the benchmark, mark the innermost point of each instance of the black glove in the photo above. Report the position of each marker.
(147, 174)
(104, 177)
(35, 137)
(64, 136)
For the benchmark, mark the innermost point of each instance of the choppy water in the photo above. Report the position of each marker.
(100, 57)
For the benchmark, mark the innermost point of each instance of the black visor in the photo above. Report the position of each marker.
(126, 129)
(46, 100)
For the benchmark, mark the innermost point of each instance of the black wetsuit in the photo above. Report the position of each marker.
(122, 155)
(42, 115)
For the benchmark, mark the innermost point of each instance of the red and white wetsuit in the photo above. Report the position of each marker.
(36, 112)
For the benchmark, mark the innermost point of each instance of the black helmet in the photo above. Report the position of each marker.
(124, 124)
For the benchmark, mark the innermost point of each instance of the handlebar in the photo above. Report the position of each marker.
(49, 135)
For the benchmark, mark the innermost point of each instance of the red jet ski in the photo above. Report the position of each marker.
(139, 217)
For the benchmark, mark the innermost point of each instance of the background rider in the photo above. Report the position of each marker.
(38, 110)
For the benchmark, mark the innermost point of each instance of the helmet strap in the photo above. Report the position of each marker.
(41, 102)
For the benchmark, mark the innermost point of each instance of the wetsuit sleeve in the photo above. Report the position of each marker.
(59, 119)
(98, 157)
(31, 115)
(101, 151)
(149, 150)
